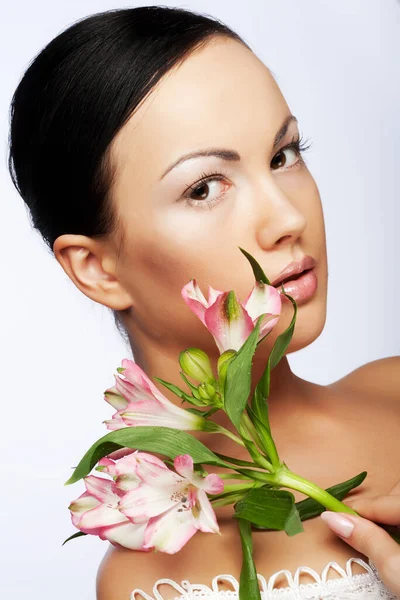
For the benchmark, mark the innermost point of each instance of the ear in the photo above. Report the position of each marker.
(90, 264)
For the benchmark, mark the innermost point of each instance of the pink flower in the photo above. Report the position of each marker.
(230, 321)
(97, 512)
(174, 506)
(139, 402)
(146, 506)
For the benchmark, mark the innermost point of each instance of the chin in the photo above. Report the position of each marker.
(310, 322)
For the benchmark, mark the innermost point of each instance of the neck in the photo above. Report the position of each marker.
(287, 390)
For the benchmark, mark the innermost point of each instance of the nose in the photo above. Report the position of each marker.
(279, 220)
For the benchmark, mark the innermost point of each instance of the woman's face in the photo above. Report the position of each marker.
(178, 228)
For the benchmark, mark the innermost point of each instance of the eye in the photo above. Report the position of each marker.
(204, 193)
(290, 155)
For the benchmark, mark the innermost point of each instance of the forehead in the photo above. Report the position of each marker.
(221, 94)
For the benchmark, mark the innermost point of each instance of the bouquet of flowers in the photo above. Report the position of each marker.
(147, 503)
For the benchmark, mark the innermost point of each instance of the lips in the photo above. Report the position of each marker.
(301, 287)
(292, 278)
(294, 270)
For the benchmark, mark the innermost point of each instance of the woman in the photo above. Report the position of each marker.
(113, 107)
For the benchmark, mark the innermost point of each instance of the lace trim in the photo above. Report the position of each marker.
(368, 584)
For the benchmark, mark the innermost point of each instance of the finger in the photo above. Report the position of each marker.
(371, 540)
(381, 509)
(395, 489)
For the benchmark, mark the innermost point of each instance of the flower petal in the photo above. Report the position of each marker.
(228, 322)
(101, 516)
(213, 295)
(170, 531)
(194, 298)
(80, 506)
(115, 422)
(126, 534)
(100, 488)
(183, 465)
(206, 519)
(147, 501)
(113, 397)
(153, 413)
(212, 484)
(150, 469)
(264, 299)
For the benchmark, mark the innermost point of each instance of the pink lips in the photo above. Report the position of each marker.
(294, 268)
(302, 287)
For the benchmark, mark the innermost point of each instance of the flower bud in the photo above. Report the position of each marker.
(225, 359)
(206, 391)
(209, 395)
(195, 363)
(222, 366)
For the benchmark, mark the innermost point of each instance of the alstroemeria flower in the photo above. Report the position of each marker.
(174, 505)
(139, 402)
(146, 506)
(131, 470)
(230, 321)
(97, 512)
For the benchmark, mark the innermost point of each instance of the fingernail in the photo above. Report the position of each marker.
(338, 523)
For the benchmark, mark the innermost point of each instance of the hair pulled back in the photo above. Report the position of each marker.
(75, 96)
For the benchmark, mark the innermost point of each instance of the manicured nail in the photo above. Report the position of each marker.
(338, 523)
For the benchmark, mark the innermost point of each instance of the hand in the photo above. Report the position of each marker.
(370, 539)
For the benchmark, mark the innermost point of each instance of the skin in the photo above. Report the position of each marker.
(271, 207)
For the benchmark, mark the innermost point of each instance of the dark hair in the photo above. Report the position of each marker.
(76, 95)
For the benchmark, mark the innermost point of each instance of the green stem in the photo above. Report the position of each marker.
(251, 429)
(236, 487)
(269, 447)
(226, 501)
(230, 435)
(235, 461)
(233, 476)
(258, 458)
(287, 478)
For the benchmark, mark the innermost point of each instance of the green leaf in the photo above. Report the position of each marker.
(248, 585)
(195, 411)
(293, 524)
(235, 461)
(189, 383)
(203, 413)
(175, 389)
(72, 537)
(259, 274)
(256, 475)
(283, 341)
(310, 508)
(251, 446)
(163, 440)
(266, 507)
(259, 403)
(267, 443)
(238, 377)
(210, 412)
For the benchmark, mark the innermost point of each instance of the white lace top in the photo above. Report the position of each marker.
(348, 586)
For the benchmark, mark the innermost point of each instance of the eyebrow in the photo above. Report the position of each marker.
(226, 154)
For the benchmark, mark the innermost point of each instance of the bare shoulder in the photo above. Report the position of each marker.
(122, 570)
(380, 376)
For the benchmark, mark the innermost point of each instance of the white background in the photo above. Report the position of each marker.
(338, 66)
